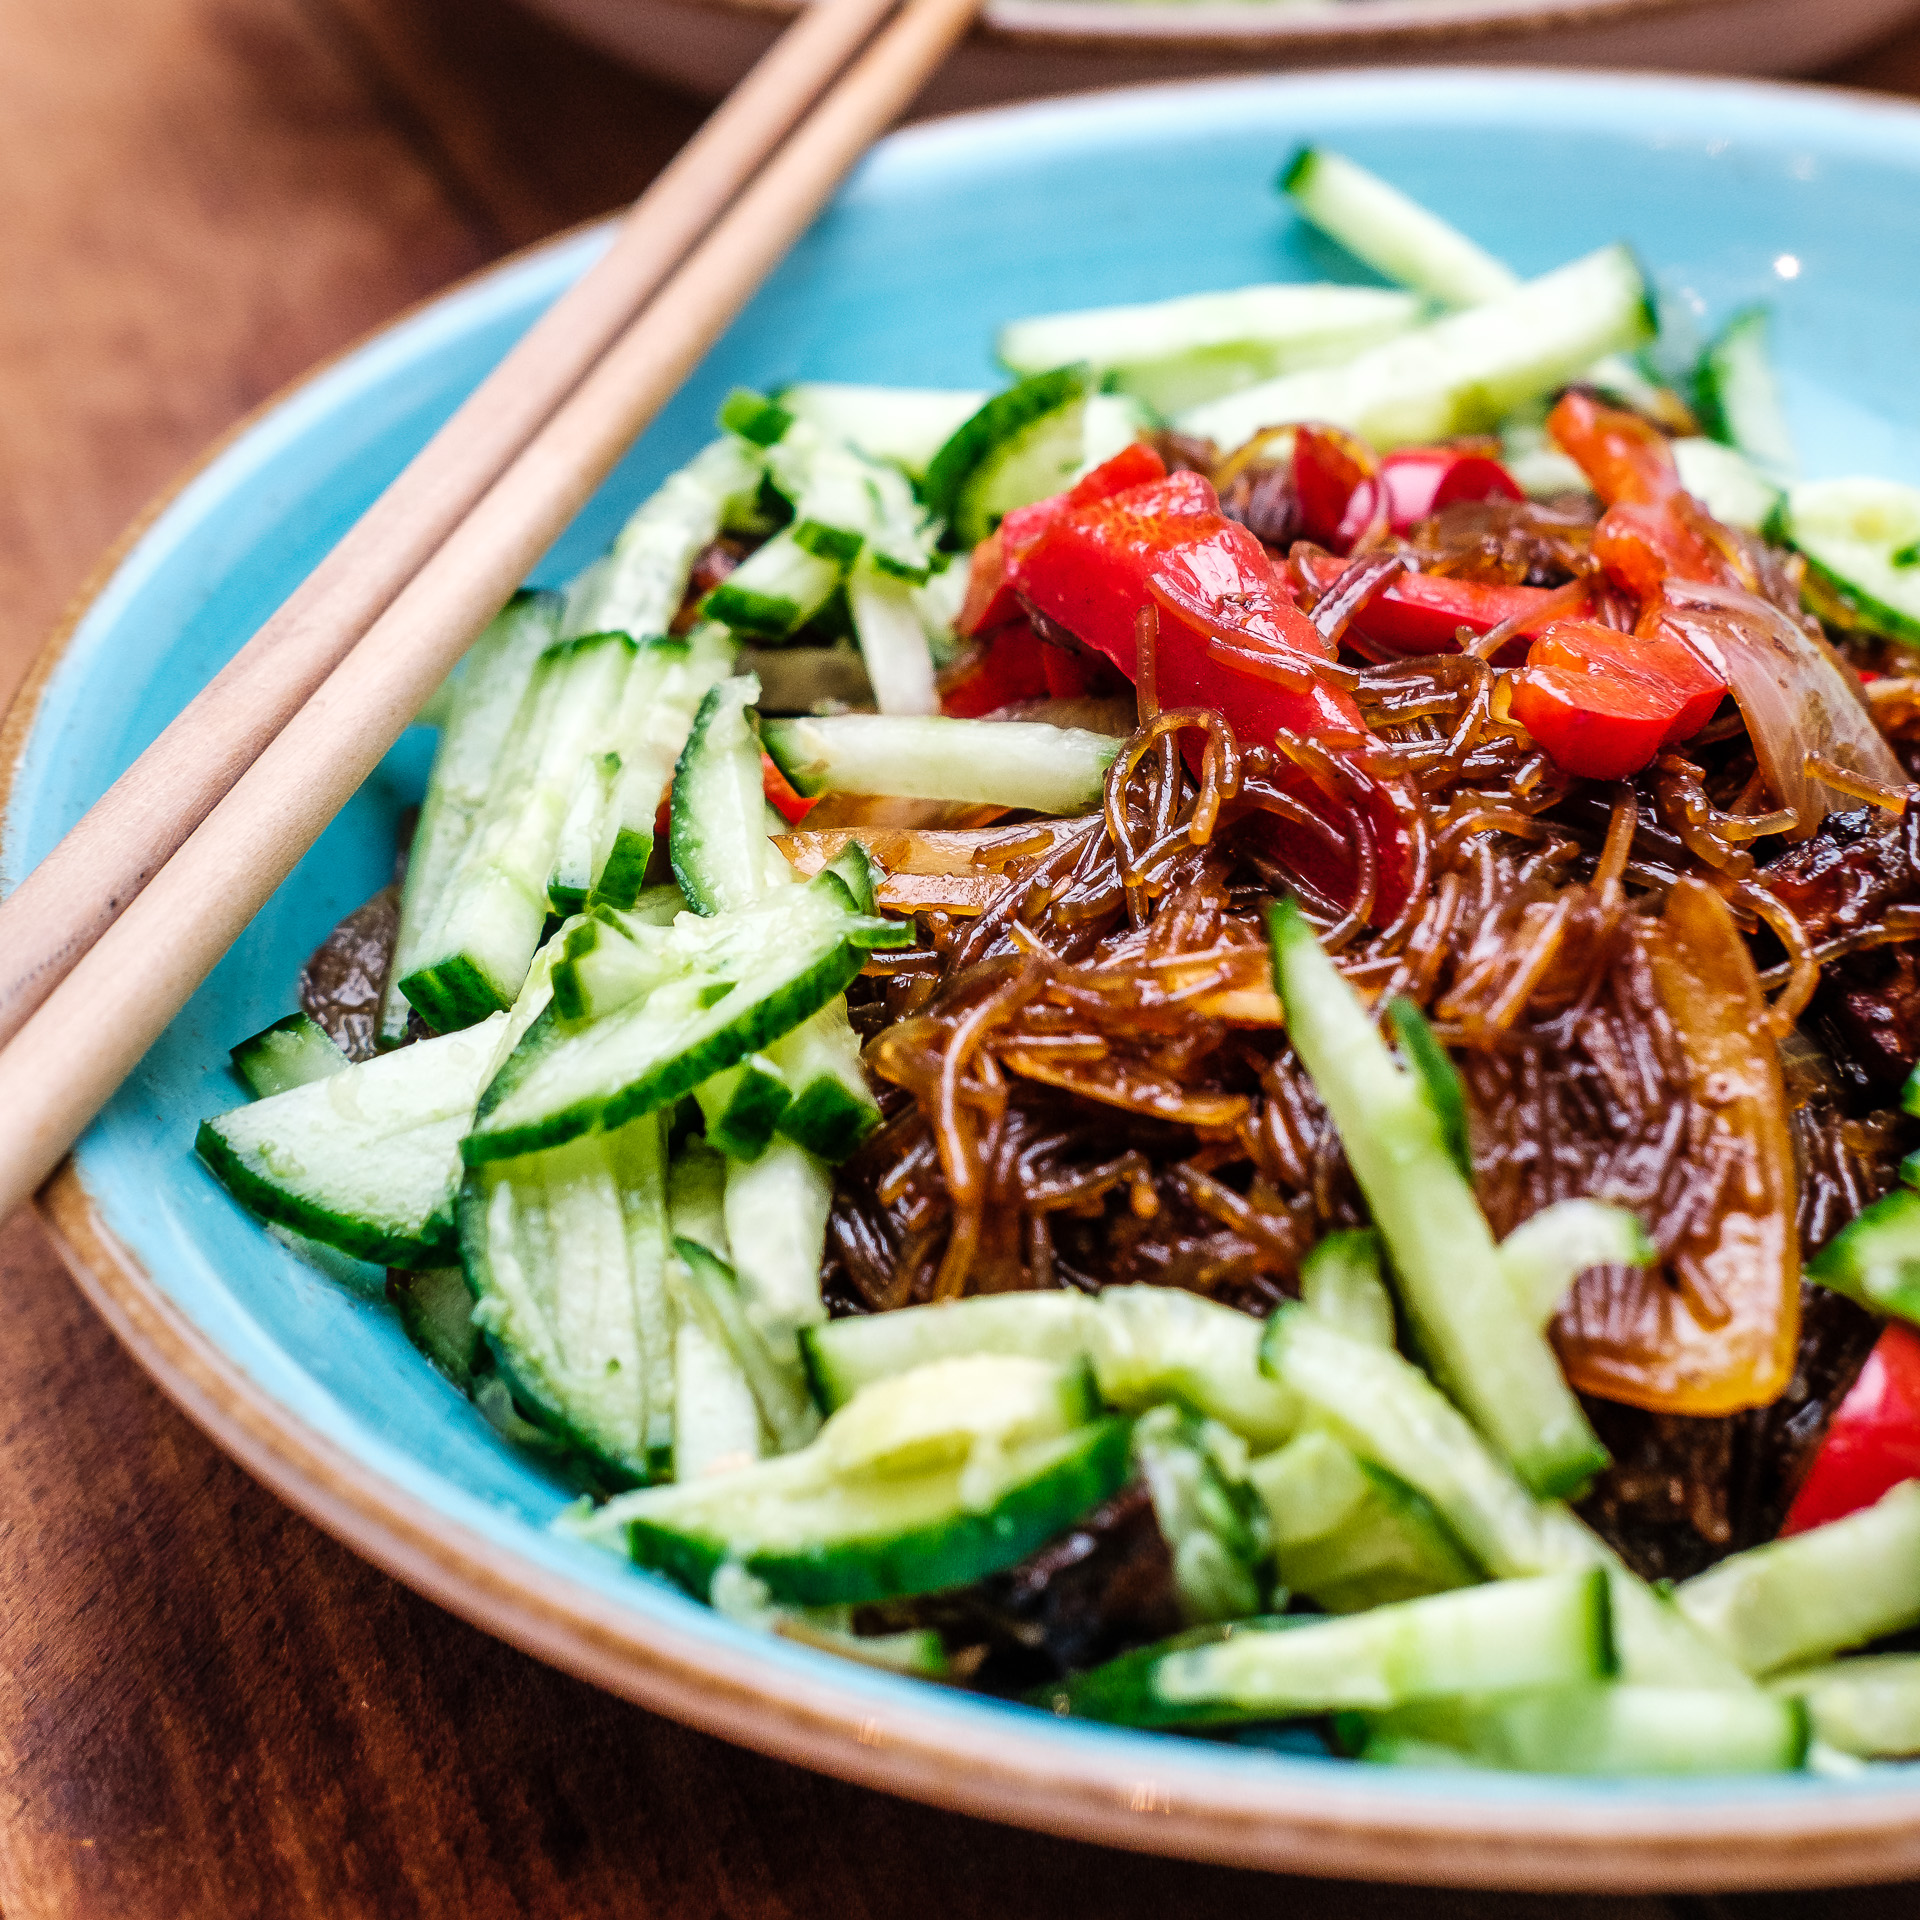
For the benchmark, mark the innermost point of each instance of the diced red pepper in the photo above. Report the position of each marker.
(1337, 485)
(1167, 545)
(1422, 480)
(1627, 461)
(1008, 665)
(1642, 546)
(1874, 1441)
(1092, 571)
(791, 806)
(1640, 540)
(1423, 612)
(1603, 703)
(990, 602)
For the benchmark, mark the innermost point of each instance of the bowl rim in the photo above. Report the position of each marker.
(1324, 31)
(916, 1743)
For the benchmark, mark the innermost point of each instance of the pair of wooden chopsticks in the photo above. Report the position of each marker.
(106, 940)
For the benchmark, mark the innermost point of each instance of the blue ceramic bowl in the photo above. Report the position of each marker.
(1730, 192)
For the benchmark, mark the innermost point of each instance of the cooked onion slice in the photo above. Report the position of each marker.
(1795, 693)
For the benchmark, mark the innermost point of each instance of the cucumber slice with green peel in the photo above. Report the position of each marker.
(1348, 1534)
(1608, 1730)
(495, 903)
(716, 1420)
(1817, 1593)
(1549, 1632)
(906, 425)
(586, 834)
(742, 1106)
(1461, 374)
(1313, 1488)
(1875, 1258)
(996, 763)
(1738, 394)
(1439, 1078)
(364, 1160)
(639, 588)
(754, 417)
(436, 1312)
(846, 503)
(1729, 485)
(1213, 1522)
(719, 833)
(1392, 233)
(1176, 353)
(665, 686)
(842, 1356)
(293, 1052)
(575, 1321)
(1340, 1283)
(697, 1196)
(1861, 539)
(639, 1153)
(892, 636)
(603, 965)
(476, 739)
(1387, 1411)
(813, 1538)
(777, 589)
(917, 1651)
(939, 1415)
(776, 1214)
(711, 1290)
(1024, 445)
(756, 978)
(1868, 1706)
(830, 1108)
(1493, 1357)
(1543, 1256)
(1162, 1343)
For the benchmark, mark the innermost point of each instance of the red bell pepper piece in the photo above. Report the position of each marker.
(1874, 1441)
(1641, 540)
(1092, 568)
(1603, 703)
(1628, 462)
(791, 806)
(1423, 612)
(1422, 480)
(990, 602)
(1337, 485)
(1168, 546)
(1009, 665)
(1642, 546)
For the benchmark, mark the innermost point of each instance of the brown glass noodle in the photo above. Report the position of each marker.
(1087, 1083)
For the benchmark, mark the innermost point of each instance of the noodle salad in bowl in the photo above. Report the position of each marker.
(1221, 1040)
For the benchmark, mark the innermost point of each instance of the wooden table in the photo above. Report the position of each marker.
(207, 1708)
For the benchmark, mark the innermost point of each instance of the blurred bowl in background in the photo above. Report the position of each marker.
(1024, 48)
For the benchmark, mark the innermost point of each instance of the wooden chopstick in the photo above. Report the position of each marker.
(74, 895)
(68, 1058)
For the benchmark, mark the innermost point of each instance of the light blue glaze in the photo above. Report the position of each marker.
(945, 232)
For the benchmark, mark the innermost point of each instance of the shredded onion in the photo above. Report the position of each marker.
(1797, 695)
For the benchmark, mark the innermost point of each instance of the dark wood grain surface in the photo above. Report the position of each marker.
(207, 1708)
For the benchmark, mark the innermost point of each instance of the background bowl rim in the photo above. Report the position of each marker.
(1362, 30)
(1177, 1797)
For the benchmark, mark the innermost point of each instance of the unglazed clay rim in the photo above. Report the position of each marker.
(1364, 31)
(1163, 1797)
